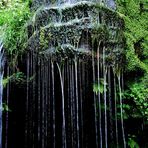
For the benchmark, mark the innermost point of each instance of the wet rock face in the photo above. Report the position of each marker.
(69, 99)
(108, 3)
(111, 4)
(77, 25)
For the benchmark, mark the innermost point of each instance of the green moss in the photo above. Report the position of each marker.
(136, 50)
(135, 30)
(44, 39)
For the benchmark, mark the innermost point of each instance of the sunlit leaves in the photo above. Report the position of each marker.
(99, 87)
(5, 108)
(18, 78)
(14, 17)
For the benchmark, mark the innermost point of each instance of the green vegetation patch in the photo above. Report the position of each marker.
(13, 19)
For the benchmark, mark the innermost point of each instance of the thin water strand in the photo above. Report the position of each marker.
(53, 95)
(1, 87)
(110, 104)
(99, 96)
(121, 110)
(105, 103)
(77, 101)
(63, 108)
(94, 96)
(116, 118)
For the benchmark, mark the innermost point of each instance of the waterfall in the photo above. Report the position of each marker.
(63, 108)
(72, 48)
(99, 95)
(1, 87)
(121, 110)
(95, 103)
(105, 101)
(116, 119)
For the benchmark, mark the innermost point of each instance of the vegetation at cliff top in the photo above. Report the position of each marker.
(135, 16)
(13, 17)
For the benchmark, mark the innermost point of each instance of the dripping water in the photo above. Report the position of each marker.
(1, 86)
(116, 118)
(53, 99)
(7, 102)
(39, 100)
(77, 101)
(95, 103)
(71, 104)
(63, 108)
(121, 109)
(99, 97)
(110, 104)
(105, 103)
(41, 95)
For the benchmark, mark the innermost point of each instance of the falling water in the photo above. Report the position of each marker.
(99, 97)
(63, 108)
(77, 101)
(62, 64)
(121, 109)
(1, 86)
(116, 119)
(95, 104)
(105, 103)
(110, 104)
(52, 66)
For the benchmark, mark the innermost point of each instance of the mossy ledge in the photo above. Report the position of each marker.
(55, 29)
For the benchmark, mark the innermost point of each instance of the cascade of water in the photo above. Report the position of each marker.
(53, 99)
(121, 109)
(95, 103)
(39, 100)
(1, 86)
(68, 95)
(110, 104)
(77, 100)
(99, 97)
(74, 120)
(7, 114)
(105, 103)
(116, 118)
(84, 114)
(71, 104)
(64, 143)
(83, 94)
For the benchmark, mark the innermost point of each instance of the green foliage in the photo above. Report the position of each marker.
(99, 88)
(136, 33)
(18, 78)
(138, 94)
(44, 39)
(13, 18)
(5, 108)
(131, 142)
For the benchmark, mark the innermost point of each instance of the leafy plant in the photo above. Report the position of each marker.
(18, 78)
(137, 93)
(99, 87)
(5, 108)
(131, 142)
(136, 34)
(13, 19)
